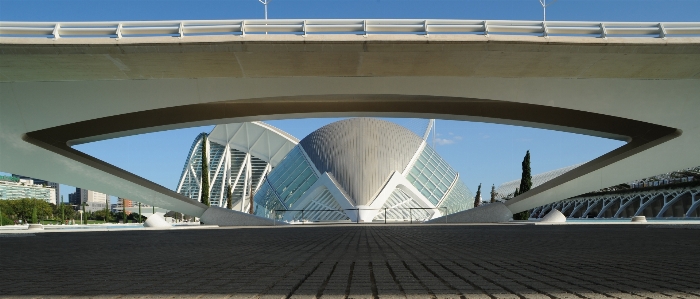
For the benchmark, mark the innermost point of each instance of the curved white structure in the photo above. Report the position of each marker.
(240, 156)
(507, 189)
(156, 221)
(554, 216)
(59, 92)
(362, 169)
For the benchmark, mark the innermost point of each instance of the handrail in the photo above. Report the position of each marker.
(304, 28)
(410, 210)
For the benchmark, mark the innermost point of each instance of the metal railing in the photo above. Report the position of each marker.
(279, 214)
(345, 26)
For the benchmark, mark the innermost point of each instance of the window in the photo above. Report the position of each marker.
(431, 175)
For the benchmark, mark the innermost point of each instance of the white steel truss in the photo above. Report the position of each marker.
(678, 202)
(240, 155)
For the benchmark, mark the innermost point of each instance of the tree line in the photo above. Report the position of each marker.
(32, 210)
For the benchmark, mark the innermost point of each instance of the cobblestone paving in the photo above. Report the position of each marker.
(363, 261)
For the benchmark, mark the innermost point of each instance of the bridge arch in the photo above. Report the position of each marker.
(640, 135)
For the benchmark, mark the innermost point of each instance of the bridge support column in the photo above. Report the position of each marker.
(607, 203)
(577, 207)
(624, 203)
(644, 204)
(669, 203)
(696, 204)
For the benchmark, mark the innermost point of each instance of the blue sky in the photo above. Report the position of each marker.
(482, 153)
(589, 10)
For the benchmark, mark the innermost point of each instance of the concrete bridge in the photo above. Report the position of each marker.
(70, 83)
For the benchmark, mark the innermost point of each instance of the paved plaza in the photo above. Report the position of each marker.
(357, 261)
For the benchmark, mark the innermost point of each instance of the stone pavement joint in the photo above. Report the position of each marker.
(357, 261)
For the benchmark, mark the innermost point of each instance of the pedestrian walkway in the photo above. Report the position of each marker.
(357, 261)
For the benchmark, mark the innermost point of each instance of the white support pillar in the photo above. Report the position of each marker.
(624, 203)
(644, 204)
(592, 203)
(577, 206)
(607, 203)
(246, 179)
(695, 205)
(669, 203)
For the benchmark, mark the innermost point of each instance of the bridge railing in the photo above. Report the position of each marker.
(346, 26)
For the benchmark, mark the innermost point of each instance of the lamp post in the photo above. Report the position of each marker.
(139, 212)
(265, 3)
(63, 212)
(544, 9)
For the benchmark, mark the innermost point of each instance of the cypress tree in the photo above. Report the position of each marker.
(525, 185)
(204, 197)
(84, 214)
(34, 218)
(526, 179)
(493, 193)
(251, 209)
(477, 198)
(229, 196)
(139, 212)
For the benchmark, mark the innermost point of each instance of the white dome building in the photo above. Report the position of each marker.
(361, 169)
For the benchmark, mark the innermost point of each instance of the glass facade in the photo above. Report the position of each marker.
(292, 177)
(401, 206)
(459, 199)
(267, 203)
(431, 175)
(323, 207)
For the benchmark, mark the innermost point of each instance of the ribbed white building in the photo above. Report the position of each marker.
(362, 169)
(358, 169)
(240, 155)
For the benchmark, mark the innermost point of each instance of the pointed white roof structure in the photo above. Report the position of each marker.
(261, 140)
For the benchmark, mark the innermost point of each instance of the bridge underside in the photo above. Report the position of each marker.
(55, 96)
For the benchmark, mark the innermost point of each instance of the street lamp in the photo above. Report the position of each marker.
(106, 207)
(63, 213)
(544, 8)
(265, 3)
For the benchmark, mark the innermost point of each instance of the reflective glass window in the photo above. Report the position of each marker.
(292, 177)
(266, 203)
(431, 175)
(459, 199)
